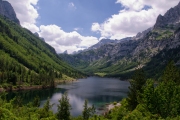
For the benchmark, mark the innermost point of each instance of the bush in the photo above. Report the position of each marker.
(115, 103)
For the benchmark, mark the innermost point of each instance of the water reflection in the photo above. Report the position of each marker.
(97, 91)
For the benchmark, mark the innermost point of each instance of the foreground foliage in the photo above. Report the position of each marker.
(14, 110)
(156, 101)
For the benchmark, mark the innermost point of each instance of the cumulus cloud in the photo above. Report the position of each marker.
(133, 18)
(26, 13)
(62, 40)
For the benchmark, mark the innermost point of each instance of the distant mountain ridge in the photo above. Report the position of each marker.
(107, 41)
(102, 42)
(145, 50)
(7, 10)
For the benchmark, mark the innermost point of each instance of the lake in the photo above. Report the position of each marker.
(98, 91)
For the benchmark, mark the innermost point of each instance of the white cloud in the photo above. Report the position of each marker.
(72, 6)
(96, 27)
(136, 5)
(26, 13)
(78, 29)
(62, 40)
(31, 27)
(133, 18)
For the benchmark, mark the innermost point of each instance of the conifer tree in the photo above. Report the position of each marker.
(135, 89)
(64, 108)
(36, 101)
(171, 73)
(88, 111)
(47, 105)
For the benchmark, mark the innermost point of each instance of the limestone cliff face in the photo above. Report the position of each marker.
(7, 10)
(171, 17)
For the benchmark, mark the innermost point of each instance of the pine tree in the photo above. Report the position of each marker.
(36, 101)
(47, 105)
(64, 108)
(135, 89)
(171, 73)
(149, 97)
(88, 111)
(46, 109)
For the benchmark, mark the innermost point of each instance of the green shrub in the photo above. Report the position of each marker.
(114, 103)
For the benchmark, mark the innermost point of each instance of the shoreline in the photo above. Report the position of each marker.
(34, 87)
(64, 81)
(109, 107)
(22, 88)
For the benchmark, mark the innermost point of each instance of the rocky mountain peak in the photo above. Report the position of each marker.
(103, 42)
(36, 34)
(65, 52)
(171, 17)
(142, 34)
(7, 10)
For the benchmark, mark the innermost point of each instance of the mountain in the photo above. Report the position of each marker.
(171, 18)
(39, 36)
(7, 10)
(107, 41)
(150, 49)
(142, 34)
(103, 42)
(26, 60)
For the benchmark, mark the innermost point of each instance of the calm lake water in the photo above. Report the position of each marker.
(97, 91)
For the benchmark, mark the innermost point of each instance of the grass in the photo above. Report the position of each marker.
(65, 77)
(162, 34)
(100, 74)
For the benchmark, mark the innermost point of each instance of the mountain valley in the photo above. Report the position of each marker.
(151, 49)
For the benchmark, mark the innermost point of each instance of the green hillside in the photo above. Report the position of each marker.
(27, 60)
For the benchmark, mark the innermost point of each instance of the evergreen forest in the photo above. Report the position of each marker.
(26, 60)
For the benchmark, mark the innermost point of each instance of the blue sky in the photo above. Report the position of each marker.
(74, 25)
(76, 14)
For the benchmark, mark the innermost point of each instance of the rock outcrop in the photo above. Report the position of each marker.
(36, 34)
(171, 17)
(7, 10)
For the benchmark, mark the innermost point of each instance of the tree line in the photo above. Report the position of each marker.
(15, 74)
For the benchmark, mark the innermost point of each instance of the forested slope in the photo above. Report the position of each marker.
(26, 59)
